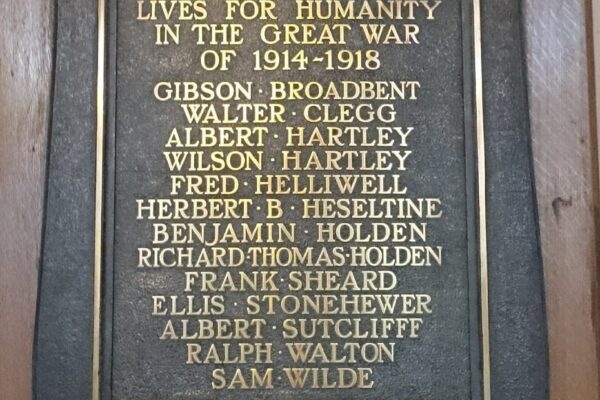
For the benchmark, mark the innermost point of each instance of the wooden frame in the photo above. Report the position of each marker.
(26, 32)
(565, 148)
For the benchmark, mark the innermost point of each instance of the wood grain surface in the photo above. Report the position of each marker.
(566, 171)
(25, 71)
(566, 165)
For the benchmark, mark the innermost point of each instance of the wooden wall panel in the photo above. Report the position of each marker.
(565, 164)
(25, 66)
(565, 158)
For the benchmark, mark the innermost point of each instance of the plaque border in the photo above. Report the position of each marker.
(481, 203)
(99, 203)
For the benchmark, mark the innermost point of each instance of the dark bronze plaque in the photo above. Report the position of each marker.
(290, 200)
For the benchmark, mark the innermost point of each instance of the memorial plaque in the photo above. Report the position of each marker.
(290, 199)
